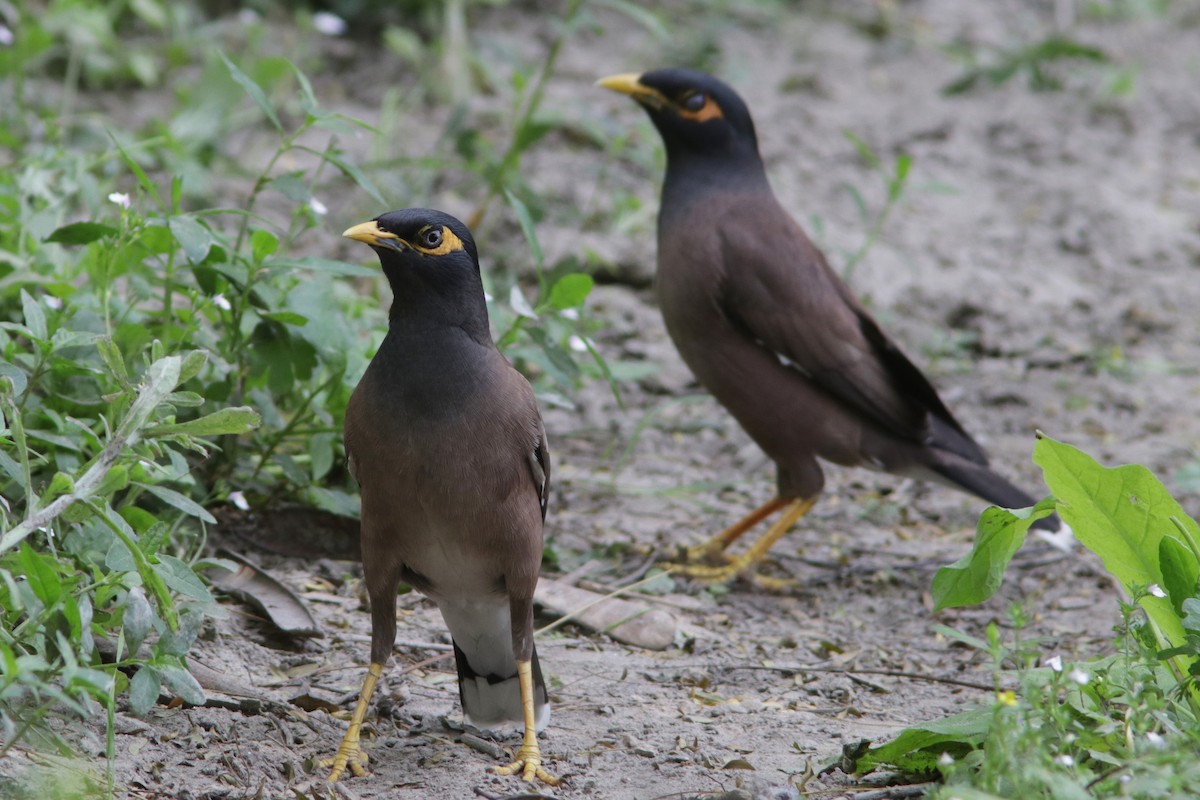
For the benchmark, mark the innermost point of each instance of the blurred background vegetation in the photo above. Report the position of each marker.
(176, 333)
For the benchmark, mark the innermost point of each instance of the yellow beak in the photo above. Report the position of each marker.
(630, 83)
(372, 234)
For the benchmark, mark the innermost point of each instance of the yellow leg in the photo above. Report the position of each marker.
(529, 758)
(716, 545)
(350, 754)
(757, 552)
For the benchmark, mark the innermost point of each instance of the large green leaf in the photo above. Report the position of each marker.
(917, 749)
(1122, 515)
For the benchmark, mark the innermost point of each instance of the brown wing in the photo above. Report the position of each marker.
(780, 292)
(539, 466)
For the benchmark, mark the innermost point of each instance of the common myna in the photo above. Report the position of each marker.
(448, 448)
(769, 329)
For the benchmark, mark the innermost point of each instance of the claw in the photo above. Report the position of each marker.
(529, 764)
(348, 756)
(350, 752)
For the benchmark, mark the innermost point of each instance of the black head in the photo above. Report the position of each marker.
(420, 237)
(430, 260)
(695, 113)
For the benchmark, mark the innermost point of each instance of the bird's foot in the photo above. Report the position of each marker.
(707, 555)
(349, 755)
(529, 764)
(745, 567)
(704, 573)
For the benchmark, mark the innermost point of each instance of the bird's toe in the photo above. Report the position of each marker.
(529, 763)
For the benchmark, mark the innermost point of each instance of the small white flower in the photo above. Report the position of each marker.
(1079, 676)
(1156, 590)
(1125, 778)
(1065, 760)
(6, 36)
(329, 24)
(120, 198)
(570, 313)
(52, 301)
(1054, 663)
(220, 301)
(239, 500)
(945, 759)
(317, 207)
(577, 344)
(1156, 740)
(248, 16)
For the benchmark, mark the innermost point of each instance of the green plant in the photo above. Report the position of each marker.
(894, 182)
(167, 349)
(1034, 59)
(1125, 725)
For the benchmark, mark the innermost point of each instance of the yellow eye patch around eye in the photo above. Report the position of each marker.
(710, 110)
(450, 244)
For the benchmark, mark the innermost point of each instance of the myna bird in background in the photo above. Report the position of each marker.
(447, 445)
(773, 333)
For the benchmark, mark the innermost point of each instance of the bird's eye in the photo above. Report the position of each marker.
(695, 102)
(431, 237)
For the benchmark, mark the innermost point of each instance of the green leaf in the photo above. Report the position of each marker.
(253, 89)
(1122, 515)
(320, 451)
(116, 479)
(111, 354)
(81, 233)
(307, 98)
(61, 483)
(42, 574)
(976, 576)
(917, 749)
(137, 618)
(570, 291)
(182, 579)
(175, 644)
(355, 174)
(143, 691)
(333, 500)
(262, 244)
(35, 317)
(519, 304)
(193, 237)
(193, 362)
(137, 171)
(525, 219)
(180, 501)
(14, 374)
(286, 317)
(1180, 571)
(291, 185)
(239, 419)
(181, 682)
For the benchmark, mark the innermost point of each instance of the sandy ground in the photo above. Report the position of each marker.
(1042, 268)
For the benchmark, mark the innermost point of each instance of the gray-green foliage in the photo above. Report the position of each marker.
(167, 338)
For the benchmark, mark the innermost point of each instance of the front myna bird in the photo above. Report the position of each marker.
(773, 333)
(447, 445)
